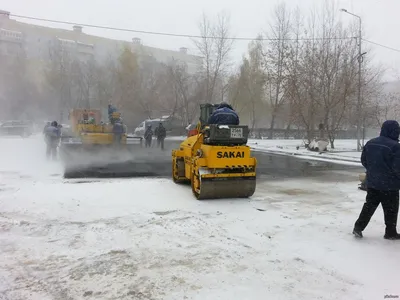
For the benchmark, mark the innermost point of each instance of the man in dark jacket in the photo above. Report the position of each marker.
(148, 136)
(381, 158)
(161, 133)
(224, 115)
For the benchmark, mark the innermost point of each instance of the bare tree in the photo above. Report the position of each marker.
(323, 72)
(85, 81)
(59, 78)
(184, 88)
(127, 93)
(302, 75)
(276, 56)
(150, 82)
(336, 71)
(214, 47)
(246, 90)
(387, 106)
(106, 82)
(141, 91)
(18, 89)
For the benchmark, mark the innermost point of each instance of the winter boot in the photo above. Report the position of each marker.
(357, 233)
(392, 237)
(391, 234)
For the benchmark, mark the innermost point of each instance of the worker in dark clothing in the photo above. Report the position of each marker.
(161, 133)
(118, 131)
(381, 158)
(224, 115)
(148, 136)
(52, 136)
(111, 110)
(85, 116)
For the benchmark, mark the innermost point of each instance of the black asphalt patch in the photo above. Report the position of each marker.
(157, 163)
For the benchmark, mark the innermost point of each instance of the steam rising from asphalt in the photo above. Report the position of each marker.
(27, 157)
(137, 161)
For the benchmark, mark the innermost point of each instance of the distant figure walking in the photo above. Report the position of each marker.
(52, 137)
(148, 136)
(161, 133)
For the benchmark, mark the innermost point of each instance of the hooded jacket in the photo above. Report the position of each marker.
(381, 158)
(224, 115)
(52, 133)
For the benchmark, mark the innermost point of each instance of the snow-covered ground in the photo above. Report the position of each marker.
(345, 151)
(150, 239)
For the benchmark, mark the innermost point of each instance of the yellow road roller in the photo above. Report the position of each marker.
(91, 149)
(216, 161)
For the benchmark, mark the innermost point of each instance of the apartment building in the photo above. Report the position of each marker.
(37, 41)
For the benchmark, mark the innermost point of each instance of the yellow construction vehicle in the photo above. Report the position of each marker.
(216, 160)
(92, 131)
(91, 145)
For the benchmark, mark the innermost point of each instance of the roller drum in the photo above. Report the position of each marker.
(218, 188)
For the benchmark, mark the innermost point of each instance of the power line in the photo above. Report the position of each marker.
(172, 34)
(383, 46)
(190, 35)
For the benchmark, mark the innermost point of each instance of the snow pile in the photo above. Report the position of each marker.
(150, 239)
(344, 152)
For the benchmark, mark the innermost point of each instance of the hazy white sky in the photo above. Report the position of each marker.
(380, 17)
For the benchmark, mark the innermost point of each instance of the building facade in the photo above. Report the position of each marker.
(36, 41)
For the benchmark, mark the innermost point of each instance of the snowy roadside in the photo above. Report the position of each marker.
(344, 152)
(150, 239)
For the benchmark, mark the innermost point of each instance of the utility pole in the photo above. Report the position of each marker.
(360, 60)
(359, 112)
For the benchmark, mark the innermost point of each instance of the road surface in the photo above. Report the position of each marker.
(154, 162)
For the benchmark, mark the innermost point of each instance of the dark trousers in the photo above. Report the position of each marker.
(148, 142)
(160, 142)
(390, 205)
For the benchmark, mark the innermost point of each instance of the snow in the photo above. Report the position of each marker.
(176, 138)
(150, 239)
(345, 151)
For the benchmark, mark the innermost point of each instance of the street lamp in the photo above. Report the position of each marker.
(360, 59)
